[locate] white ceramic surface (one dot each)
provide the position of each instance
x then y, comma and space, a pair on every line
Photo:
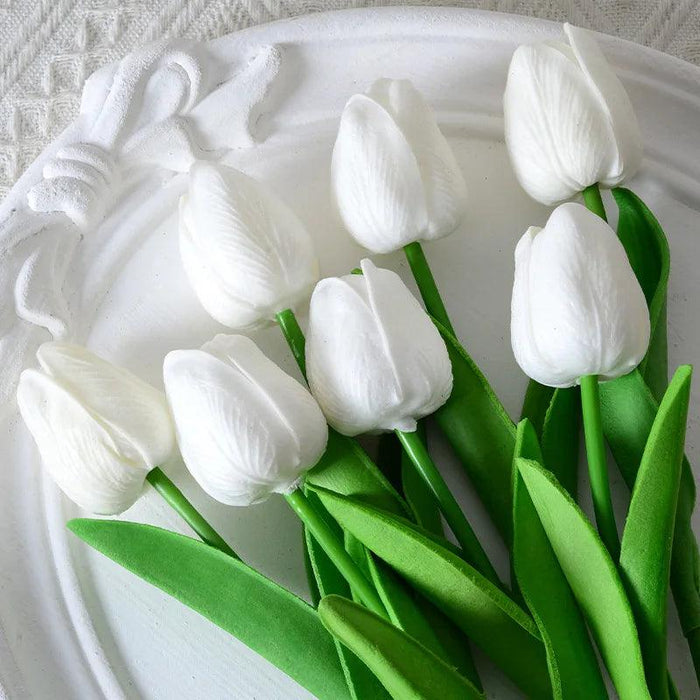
90, 252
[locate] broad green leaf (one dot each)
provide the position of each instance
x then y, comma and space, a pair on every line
573, 666
555, 415
645, 558
593, 578
628, 411
347, 469
487, 615
264, 616
648, 253
405, 667
361, 682
481, 433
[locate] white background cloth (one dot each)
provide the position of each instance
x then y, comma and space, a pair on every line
49, 47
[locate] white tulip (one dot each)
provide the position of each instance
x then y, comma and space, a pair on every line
246, 429
246, 254
395, 179
375, 361
568, 121
99, 428
577, 308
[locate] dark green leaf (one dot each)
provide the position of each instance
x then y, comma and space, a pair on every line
406, 668
648, 253
646, 544
628, 410
347, 469
491, 619
572, 662
481, 433
593, 578
264, 616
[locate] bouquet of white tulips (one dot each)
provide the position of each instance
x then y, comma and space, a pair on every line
397, 598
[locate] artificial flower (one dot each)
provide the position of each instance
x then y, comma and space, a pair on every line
577, 308
99, 428
246, 429
375, 361
246, 254
568, 121
394, 177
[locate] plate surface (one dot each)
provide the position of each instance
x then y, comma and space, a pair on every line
93, 254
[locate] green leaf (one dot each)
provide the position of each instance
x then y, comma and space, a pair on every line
347, 469
593, 578
555, 415
645, 558
573, 666
264, 616
481, 433
648, 253
489, 618
628, 410
361, 682
405, 667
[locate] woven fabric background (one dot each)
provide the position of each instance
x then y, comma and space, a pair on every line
49, 47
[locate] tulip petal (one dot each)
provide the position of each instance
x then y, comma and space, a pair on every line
261, 253
443, 182
614, 101
78, 452
374, 359
245, 428
133, 412
577, 306
559, 136
376, 179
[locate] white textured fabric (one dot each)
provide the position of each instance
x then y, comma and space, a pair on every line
49, 47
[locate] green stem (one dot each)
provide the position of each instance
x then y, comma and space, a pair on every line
598, 464
594, 202
176, 499
473, 551
335, 550
426, 284
291, 329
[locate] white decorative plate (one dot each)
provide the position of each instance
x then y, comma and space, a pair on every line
89, 250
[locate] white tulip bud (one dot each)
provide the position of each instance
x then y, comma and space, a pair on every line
245, 428
375, 361
568, 121
99, 428
577, 308
246, 254
395, 179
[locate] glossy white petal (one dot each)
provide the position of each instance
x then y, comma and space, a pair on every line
394, 178
77, 450
247, 255
568, 120
577, 308
374, 359
245, 428
135, 413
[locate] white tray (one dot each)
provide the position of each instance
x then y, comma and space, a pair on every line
268, 99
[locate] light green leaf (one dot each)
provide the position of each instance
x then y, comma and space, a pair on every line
481, 433
645, 558
347, 469
489, 618
628, 410
593, 578
648, 253
573, 666
406, 668
264, 616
